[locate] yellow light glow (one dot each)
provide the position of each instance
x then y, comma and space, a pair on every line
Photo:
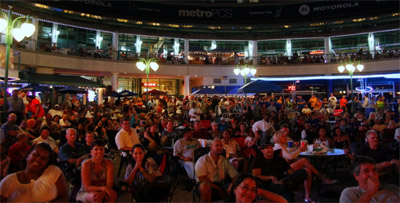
358, 20
249, 28
338, 22
41, 6
374, 18
395, 14
122, 20
154, 24
68, 11
287, 26
187, 26
317, 24
139, 22
173, 25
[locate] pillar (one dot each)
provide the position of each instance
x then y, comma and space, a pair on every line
328, 49
100, 96
54, 33
32, 42
114, 81
253, 51
186, 52
176, 46
138, 45
329, 88
371, 44
289, 53
99, 38
187, 85
115, 46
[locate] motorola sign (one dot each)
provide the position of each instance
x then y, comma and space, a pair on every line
304, 10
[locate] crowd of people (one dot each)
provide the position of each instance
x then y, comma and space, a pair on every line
238, 149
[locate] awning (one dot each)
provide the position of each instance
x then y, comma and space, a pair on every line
49, 79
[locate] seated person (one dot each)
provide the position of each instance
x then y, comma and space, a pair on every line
369, 187
275, 172
46, 180
71, 155
244, 189
200, 133
184, 149
89, 139
211, 170
18, 151
168, 134
97, 177
140, 174
382, 156
232, 149
44, 137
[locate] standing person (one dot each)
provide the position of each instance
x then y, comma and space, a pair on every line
263, 131
313, 101
365, 104
343, 103
40, 181
34, 108
332, 101
16, 105
10, 129
211, 170
369, 187
97, 177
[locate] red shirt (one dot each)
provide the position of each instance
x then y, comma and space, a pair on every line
16, 149
343, 102
32, 108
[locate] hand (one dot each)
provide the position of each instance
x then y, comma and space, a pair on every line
187, 159
373, 185
110, 193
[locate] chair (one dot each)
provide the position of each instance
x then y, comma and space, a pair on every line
123, 159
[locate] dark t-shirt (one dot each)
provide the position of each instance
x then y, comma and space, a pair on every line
379, 155
276, 166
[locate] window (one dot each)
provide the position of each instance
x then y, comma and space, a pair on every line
232, 80
217, 80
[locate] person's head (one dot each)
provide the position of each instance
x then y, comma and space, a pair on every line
242, 126
170, 125
89, 137
125, 124
39, 157
268, 151
285, 128
12, 118
372, 139
188, 135
70, 134
322, 132
97, 149
138, 152
243, 189
337, 131
56, 106
280, 137
49, 118
214, 126
226, 134
363, 169
15, 93
216, 147
197, 125
154, 128
44, 132
22, 137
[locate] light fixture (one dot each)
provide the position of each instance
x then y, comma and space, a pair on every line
18, 34
350, 69
141, 66
360, 67
341, 68
3, 24
245, 70
28, 29
145, 65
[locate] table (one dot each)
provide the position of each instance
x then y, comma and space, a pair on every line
332, 152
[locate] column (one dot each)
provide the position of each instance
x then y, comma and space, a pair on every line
289, 53
328, 49
114, 81
33, 41
329, 88
100, 96
115, 46
186, 52
186, 82
371, 44
176, 47
54, 33
99, 38
253, 51
138, 45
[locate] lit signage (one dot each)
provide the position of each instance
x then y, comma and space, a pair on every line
150, 84
292, 87
316, 52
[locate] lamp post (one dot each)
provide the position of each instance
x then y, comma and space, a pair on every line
145, 65
245, 71
350, 69
19, 32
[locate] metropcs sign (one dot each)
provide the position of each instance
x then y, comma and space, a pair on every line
150, 84
217, 13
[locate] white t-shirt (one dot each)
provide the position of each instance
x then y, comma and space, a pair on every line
43, 189
389, 193
124, 139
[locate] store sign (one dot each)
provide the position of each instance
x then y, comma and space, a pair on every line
292, 87
316, 52
150, 84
